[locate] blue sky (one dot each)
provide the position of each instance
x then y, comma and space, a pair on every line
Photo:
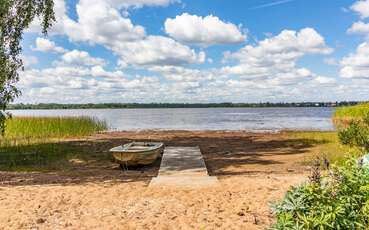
199, 51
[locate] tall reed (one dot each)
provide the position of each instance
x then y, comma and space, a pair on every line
52, 127
36, 143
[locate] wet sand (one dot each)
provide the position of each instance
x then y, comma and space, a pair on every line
253, 170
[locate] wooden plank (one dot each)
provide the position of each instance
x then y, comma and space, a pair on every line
183, 166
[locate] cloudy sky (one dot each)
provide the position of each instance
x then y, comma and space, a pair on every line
199, 51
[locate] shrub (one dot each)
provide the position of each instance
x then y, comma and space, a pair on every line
339, 200
357, 134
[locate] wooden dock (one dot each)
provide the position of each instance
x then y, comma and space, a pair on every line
183, 167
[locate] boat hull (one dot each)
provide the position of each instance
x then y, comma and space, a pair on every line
127, 157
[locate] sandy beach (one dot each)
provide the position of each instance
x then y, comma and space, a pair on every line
254, 169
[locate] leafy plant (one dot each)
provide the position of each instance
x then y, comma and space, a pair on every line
339, 200
356, 134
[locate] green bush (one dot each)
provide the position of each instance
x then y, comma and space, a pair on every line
356, 134
339, 200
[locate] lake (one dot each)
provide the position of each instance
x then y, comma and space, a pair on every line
250, 119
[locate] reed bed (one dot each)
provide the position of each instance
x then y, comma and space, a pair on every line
38, 143
52, 127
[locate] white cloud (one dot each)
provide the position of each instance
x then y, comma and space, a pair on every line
321, 80
62, 20
283, 48
83, 84
205, 31
140, 3
77, 57
65, 84
181, 74
99, 71
356, 65
29, 61
157, 50
359, 28
100, 23
362, 8
130, 42
276, 57
45, 45
64, 24
267, 70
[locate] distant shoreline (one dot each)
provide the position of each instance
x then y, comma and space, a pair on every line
178, 105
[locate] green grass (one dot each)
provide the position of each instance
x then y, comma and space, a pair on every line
52, 156
52, 127
323, 144
38, 143
343, 115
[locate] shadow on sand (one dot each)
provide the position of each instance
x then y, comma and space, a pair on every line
84, 161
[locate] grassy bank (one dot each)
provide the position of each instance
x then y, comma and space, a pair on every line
343, 115
323, 145
35, 143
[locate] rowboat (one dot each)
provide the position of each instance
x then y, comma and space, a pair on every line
137, 153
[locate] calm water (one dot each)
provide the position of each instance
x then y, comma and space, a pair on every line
253, 119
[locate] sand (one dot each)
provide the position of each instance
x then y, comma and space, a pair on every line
253, 170
241, 202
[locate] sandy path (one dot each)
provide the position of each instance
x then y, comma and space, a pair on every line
240, 202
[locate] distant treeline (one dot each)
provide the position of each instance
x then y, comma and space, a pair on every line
178, 105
